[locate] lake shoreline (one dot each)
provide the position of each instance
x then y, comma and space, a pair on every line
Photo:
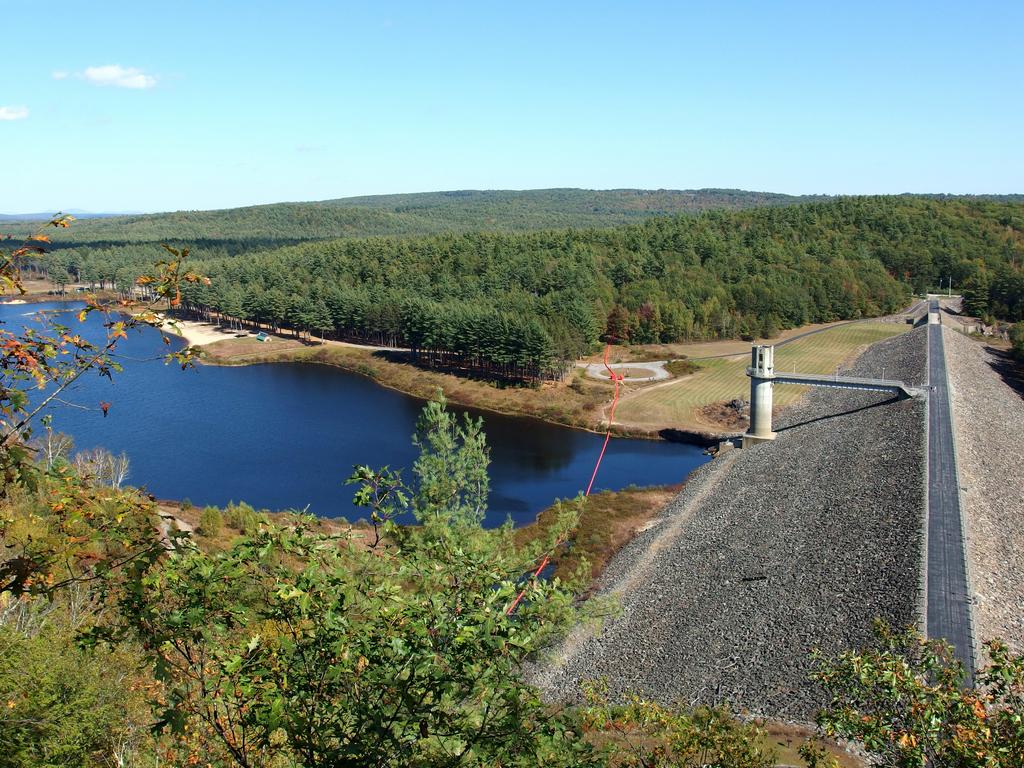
463, 391
197, 334
327, 421
609, 520
578, 402
397, 376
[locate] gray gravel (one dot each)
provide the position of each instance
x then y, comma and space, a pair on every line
988, 416
657, 370
770, 552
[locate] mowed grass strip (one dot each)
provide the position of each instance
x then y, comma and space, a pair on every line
678, 403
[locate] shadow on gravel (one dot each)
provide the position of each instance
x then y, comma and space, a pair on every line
1008, 369
840, 414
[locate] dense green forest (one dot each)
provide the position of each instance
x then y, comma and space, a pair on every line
521, 305
426, 213
420, 214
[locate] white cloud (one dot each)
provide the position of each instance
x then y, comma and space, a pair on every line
13, 113
60, 75
116, 75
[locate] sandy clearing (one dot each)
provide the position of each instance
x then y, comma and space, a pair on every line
195, 333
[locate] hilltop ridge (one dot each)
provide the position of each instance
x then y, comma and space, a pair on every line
423, 213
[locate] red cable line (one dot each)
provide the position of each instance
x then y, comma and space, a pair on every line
597, 465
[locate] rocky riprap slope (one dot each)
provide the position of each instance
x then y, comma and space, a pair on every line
768, 553
988, 416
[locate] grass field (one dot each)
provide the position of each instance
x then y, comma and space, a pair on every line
579, 402
678, 404
649, 352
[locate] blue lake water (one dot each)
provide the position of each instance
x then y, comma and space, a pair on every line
286, 435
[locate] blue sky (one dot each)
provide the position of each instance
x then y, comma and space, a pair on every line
152, 106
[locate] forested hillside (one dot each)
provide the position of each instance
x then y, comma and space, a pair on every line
423, 213
419, 214
522, 304
470, 210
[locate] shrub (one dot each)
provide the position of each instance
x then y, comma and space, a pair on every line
908, 701
644, 734
242, 517
1017, 339
681, 367
61, 705
210, 522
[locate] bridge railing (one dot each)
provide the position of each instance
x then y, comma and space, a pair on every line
848, 382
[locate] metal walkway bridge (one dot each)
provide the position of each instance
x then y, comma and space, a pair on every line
849, 382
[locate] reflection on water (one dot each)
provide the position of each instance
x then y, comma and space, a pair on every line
287, 435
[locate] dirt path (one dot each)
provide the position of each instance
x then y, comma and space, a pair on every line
657, 370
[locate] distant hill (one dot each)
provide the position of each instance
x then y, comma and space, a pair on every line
46, 216
425, 213
421, 214
659, 279
586, 205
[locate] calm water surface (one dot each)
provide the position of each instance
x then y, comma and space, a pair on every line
286, 435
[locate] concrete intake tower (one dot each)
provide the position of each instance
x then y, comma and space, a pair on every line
763, 379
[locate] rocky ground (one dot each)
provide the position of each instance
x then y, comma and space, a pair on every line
988, 416
770, 552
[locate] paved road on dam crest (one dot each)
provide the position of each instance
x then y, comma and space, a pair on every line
949, 613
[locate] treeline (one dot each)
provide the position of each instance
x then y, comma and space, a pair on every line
523, 304
405, 215
463, 336
417, 214
996, 293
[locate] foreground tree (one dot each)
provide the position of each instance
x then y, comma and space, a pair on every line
61, 705
101, 466
907, 701
389, 648
76, 528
